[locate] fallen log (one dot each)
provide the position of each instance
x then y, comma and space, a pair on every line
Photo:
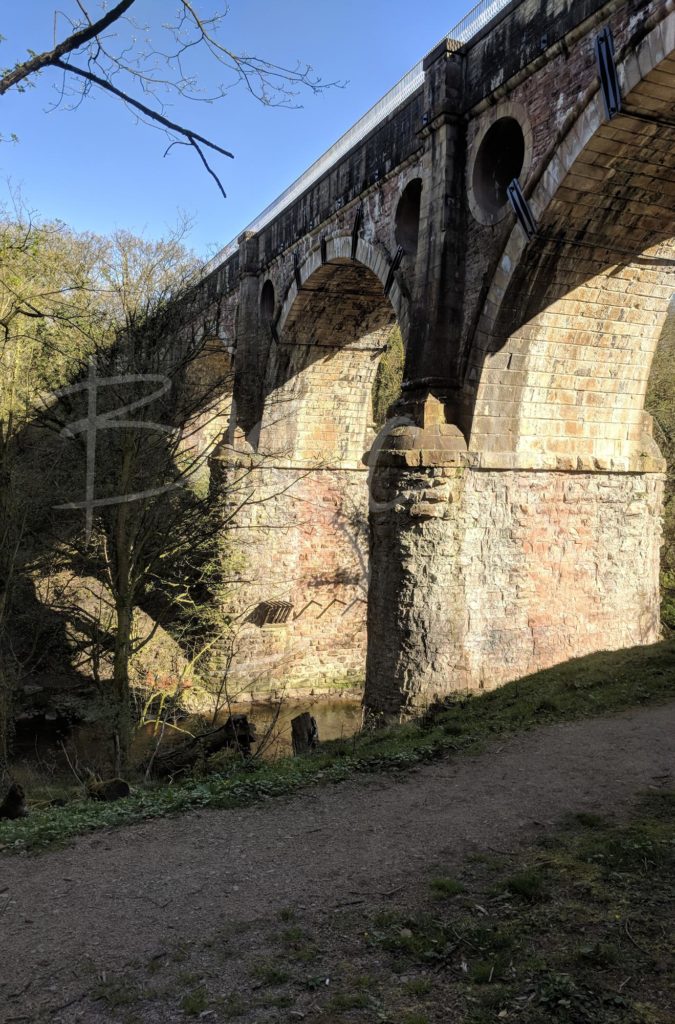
109, 790
237, 734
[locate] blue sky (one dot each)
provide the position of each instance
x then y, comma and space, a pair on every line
96, 169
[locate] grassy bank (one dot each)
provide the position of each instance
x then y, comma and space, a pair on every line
595, 685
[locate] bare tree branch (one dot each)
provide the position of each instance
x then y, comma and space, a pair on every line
144, 62
193, 138
73, 42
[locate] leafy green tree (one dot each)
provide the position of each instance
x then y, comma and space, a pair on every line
139, 526
128, 313
47, 324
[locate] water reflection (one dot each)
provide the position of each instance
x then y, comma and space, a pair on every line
335, 719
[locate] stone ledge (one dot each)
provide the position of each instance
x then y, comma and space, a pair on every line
420, 458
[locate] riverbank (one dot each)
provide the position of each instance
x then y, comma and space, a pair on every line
598, 684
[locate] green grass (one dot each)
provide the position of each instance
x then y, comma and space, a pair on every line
597, 950
194, 1003
417, 987
598, 684
444, 887
117, 993
529, 885
271, 974
342, 1001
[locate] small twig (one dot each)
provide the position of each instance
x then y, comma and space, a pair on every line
637, 945
20, 992
390, 892
379, 892
154, 753
63, 1006
70, 765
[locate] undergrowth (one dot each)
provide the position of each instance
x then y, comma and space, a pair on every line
572, 928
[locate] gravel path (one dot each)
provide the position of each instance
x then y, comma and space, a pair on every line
117, 897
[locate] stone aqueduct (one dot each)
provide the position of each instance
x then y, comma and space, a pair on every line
515, 496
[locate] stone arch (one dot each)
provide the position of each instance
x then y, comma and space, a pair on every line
330, 336
267, 300
562, 352
304, 538
407, 217
339, 249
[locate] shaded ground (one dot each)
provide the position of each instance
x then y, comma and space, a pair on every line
245, 913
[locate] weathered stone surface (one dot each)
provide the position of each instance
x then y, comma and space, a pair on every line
526, 367
527, 569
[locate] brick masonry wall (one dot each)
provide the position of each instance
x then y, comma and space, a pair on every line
304, 541
540, 541
479, 577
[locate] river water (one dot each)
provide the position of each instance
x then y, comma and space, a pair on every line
89, 746
336, 720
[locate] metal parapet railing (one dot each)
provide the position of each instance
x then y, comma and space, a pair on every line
473, 23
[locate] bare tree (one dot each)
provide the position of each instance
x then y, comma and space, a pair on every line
144, 65
134, 522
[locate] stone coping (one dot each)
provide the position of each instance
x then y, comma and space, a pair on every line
524, 461
421, 458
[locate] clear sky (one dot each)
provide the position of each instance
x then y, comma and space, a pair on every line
96, 169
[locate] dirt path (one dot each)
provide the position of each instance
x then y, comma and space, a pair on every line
117, 898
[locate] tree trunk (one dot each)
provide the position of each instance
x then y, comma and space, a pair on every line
124, 612
122, 711
5, 720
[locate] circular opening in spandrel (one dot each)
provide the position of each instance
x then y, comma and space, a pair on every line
499, 160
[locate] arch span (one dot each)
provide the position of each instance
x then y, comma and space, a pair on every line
304, 540
338, 251
331, 336
562, 353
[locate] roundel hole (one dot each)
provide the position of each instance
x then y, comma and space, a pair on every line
267, 301
499, 160
408, 217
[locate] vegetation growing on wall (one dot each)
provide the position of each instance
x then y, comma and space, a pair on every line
387, 386
660, 402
